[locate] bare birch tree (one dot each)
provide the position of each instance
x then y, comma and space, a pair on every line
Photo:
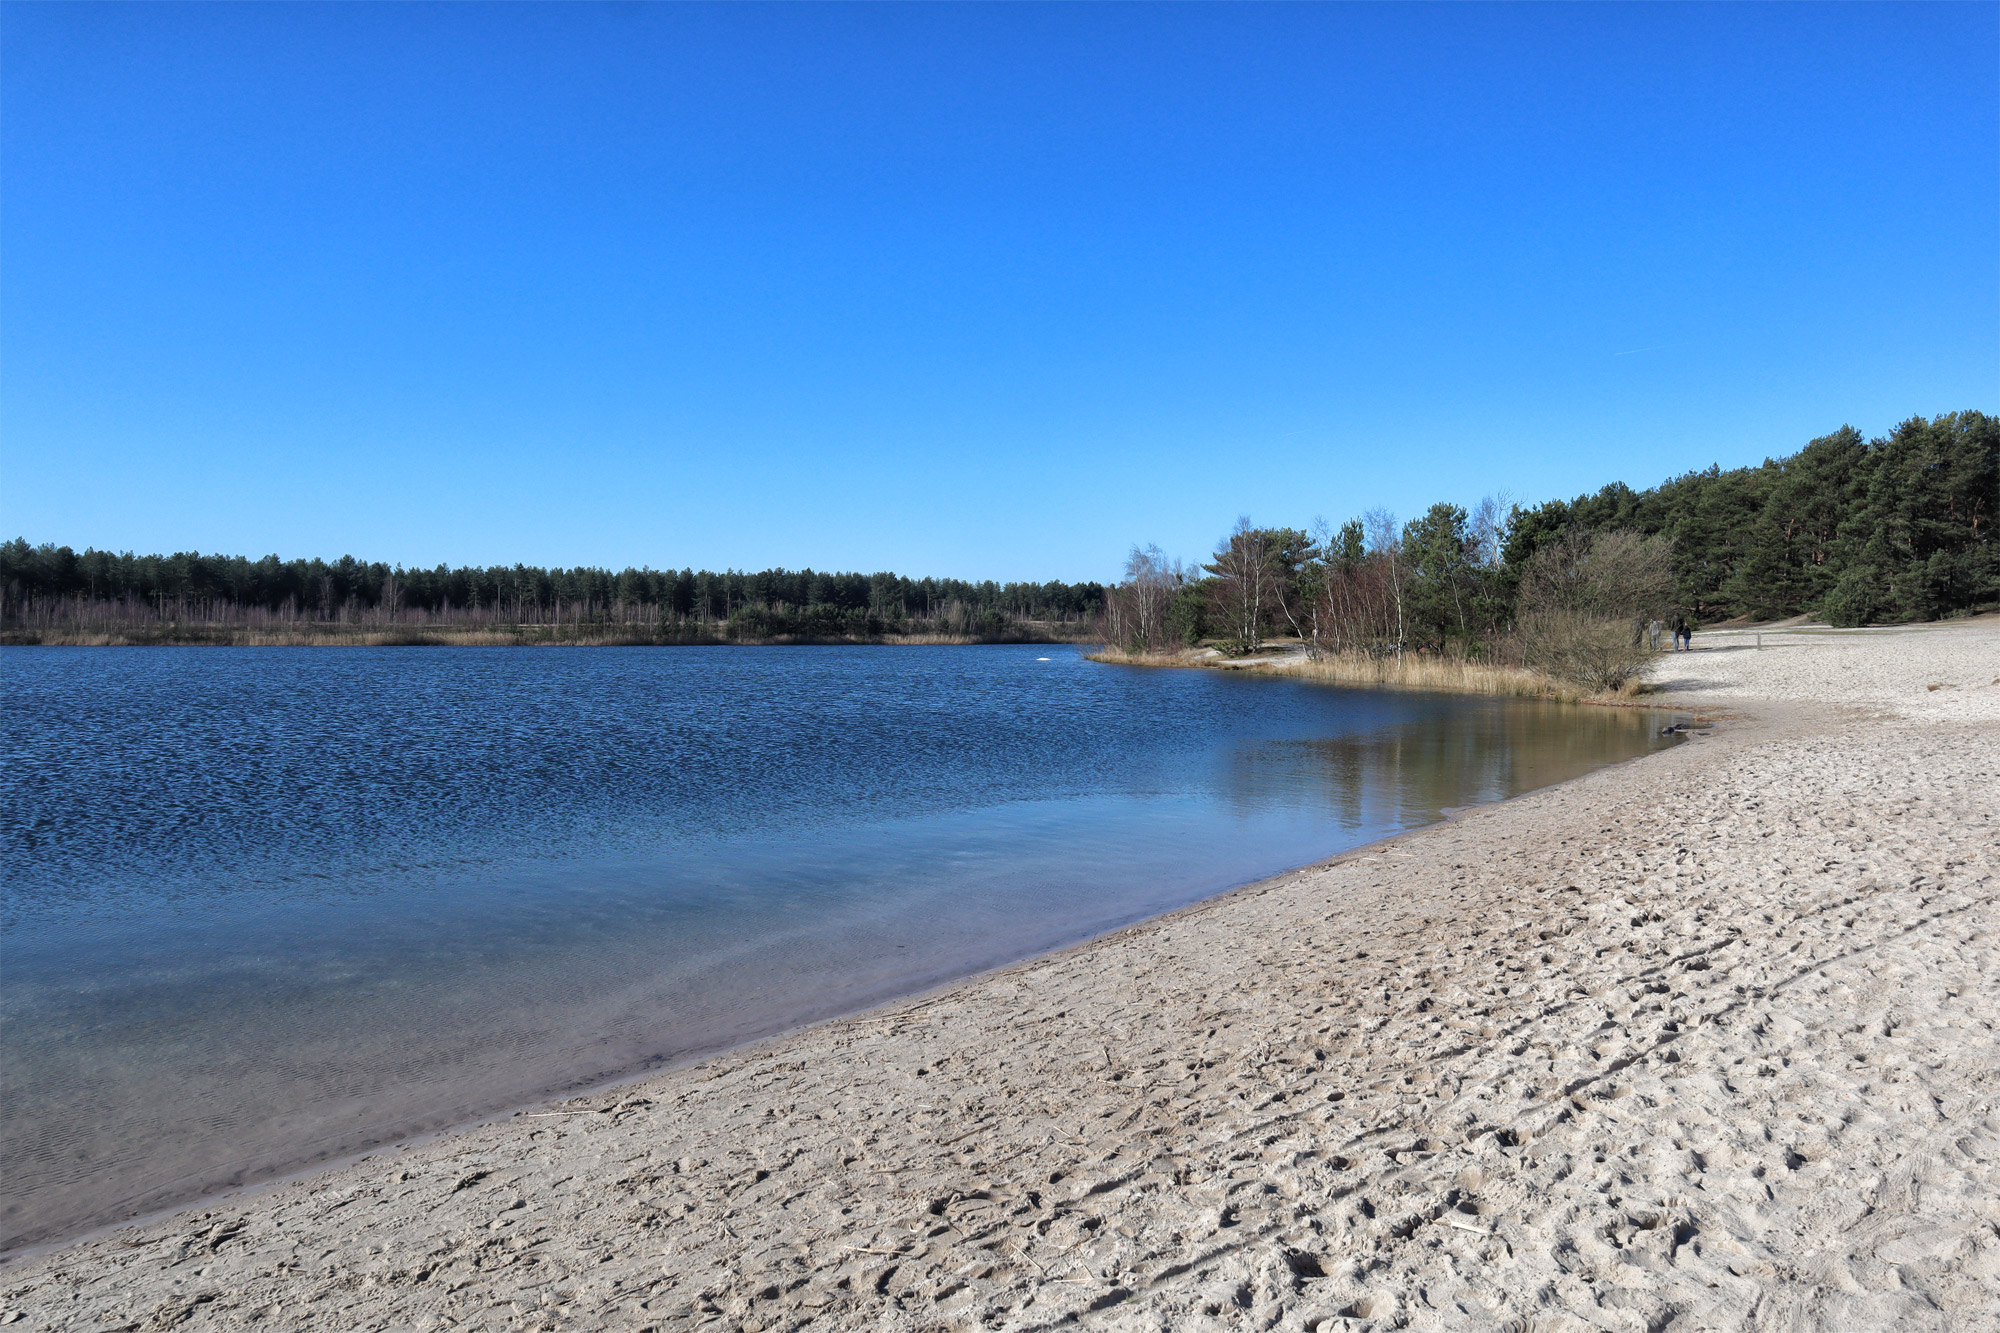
1304, 596
1385, 545
1487, 530
1243, 590
1135, 612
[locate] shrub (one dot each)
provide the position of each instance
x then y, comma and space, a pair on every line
1583, 599
1596, 652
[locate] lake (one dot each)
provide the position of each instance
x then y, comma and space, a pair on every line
268, 907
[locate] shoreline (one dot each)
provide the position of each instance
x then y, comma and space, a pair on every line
246, 1175
1418, 671
518, 637
1039, 1176
887, 1008
1424, 672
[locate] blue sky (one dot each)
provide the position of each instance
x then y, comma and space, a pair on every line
984, 291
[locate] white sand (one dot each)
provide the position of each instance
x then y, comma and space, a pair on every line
1705, 1041
1940, 673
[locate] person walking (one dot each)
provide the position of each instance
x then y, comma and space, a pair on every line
1653, 634
1680, 628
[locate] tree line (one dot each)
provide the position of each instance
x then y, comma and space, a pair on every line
1849, 529
49, 583
1852, 530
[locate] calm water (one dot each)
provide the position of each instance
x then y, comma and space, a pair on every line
265, 907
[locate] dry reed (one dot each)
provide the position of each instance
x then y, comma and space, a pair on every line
1184, 657
1412, 671
1415, 671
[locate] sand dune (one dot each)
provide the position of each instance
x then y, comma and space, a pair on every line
1706, 1041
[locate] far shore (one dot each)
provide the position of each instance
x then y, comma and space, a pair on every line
1705, 1038
1462, 675
332, 635
1415, 671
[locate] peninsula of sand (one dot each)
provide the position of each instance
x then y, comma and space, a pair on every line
1704, 1041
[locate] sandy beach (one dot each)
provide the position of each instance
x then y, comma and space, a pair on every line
1704, 1041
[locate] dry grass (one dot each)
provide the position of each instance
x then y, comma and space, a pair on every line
1185, 657
1413, 671
210, 636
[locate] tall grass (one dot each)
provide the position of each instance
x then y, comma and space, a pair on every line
1412, 671
1424, 671
1180, 657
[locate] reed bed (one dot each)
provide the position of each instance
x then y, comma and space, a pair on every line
1412, 671
1186, 657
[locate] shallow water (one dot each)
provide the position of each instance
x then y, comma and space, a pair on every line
266, 907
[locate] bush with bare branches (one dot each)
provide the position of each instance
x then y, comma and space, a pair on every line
1582, 601
1136, 611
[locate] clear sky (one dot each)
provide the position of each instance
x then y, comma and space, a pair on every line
954, 289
